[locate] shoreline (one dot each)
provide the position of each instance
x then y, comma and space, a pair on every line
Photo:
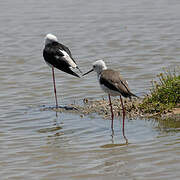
102, 108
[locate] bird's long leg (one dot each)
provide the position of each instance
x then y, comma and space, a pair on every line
54, 86
112, 114
124, 113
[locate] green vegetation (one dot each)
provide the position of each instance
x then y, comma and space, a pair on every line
165, 94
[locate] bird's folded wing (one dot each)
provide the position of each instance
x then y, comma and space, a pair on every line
65, 48
56, 58
114, 81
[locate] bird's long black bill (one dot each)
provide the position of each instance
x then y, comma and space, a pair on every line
87, 72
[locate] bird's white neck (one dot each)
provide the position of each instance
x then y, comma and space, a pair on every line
100, 71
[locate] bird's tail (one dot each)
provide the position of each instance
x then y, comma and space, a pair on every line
69, 71
74, 74
131, 94
79, 69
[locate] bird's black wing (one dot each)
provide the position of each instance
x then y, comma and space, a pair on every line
114, 81
65, 48
54, 56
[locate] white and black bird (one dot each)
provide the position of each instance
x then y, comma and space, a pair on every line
113, 84
58, 56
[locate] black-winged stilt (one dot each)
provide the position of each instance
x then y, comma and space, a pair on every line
113, 84
58, 56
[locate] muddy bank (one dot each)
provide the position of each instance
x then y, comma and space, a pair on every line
133, 109
101, 107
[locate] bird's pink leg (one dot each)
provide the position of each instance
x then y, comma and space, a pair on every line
124, 113
112, 114
54, 86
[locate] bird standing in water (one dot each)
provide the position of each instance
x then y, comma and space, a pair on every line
58, 56
113, 84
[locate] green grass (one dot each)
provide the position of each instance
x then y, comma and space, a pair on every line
165, 94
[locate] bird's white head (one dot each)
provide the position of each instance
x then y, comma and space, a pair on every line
99, 66
50, 38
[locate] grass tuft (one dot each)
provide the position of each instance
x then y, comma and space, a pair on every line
165, 94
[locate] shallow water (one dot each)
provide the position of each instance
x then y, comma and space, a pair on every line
138, 38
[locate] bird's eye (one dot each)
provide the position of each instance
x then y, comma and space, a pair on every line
93, 66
